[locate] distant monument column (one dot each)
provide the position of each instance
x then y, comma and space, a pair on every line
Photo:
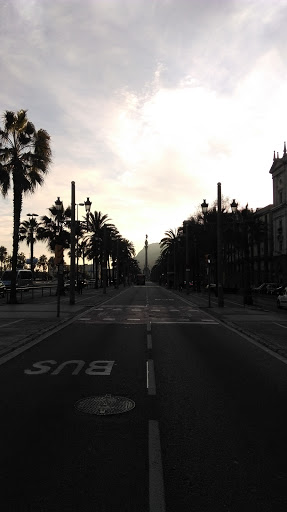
146, 269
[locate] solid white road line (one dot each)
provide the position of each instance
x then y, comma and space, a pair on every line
14, 322
156, 484
280, 325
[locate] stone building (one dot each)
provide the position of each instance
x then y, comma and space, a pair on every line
279, 217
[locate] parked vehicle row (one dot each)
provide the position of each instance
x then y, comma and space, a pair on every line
269, 288
2, 289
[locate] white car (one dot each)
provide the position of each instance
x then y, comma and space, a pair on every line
282, 298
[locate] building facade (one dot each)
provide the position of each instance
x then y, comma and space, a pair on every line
279, 217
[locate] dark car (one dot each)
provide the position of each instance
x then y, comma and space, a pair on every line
261, 288
2, 289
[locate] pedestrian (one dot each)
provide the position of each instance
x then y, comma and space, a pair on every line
80, 286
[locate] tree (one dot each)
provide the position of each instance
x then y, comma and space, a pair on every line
29, 228
25, 156
21, 260
168, 246
55, 229
43, 262
95, 239
3, 255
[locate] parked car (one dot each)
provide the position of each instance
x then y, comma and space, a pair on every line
282, 299
2, 289
67, 284
271, 288
262, 288
280, 289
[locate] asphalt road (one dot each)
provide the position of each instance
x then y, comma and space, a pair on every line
206, 428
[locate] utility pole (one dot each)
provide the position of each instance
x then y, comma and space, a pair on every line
72, 261
219, 249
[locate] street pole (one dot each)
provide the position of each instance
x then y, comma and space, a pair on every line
104, 268
219, 249
72, 260
187, 268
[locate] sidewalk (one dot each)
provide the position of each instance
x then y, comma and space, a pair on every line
266, 327
25, 322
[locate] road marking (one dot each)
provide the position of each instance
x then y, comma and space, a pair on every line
100, 367
109, 319
156, 483
151, 386
284, 326
133, 319
149, 342
14, 322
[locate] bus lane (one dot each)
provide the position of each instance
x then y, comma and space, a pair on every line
74, 421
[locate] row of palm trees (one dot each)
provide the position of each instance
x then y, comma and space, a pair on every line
98, 240
190, 251
25, 159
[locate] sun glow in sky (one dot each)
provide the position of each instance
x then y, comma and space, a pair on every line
149, 104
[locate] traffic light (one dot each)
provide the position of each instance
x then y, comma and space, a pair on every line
59, 254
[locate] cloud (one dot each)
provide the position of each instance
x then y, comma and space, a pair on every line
148, 104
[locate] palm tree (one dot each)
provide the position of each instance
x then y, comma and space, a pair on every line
95, 238
29, 228
43, 262
55, 229
3, 255
168, 246
25, 156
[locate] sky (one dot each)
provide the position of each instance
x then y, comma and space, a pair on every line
149, 104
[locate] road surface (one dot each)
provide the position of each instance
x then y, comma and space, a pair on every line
144, 403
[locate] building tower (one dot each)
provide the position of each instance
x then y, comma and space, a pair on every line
146, 269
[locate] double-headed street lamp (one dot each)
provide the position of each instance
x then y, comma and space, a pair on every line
247, 295
59, 253
32, 216
87, 204
204, 207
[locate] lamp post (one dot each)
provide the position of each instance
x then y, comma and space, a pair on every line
59, 253
116, 239
88, 205
77, 234
204, 207
247, 296
32, 215
186, 224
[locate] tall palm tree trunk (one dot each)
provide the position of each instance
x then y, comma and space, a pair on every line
17, 207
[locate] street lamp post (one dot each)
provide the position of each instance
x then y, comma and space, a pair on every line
204, 207
247, 296
187, 263
59, 253
219, 249
77, 234
32, 215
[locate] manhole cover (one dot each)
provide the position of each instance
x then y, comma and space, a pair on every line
104, 405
